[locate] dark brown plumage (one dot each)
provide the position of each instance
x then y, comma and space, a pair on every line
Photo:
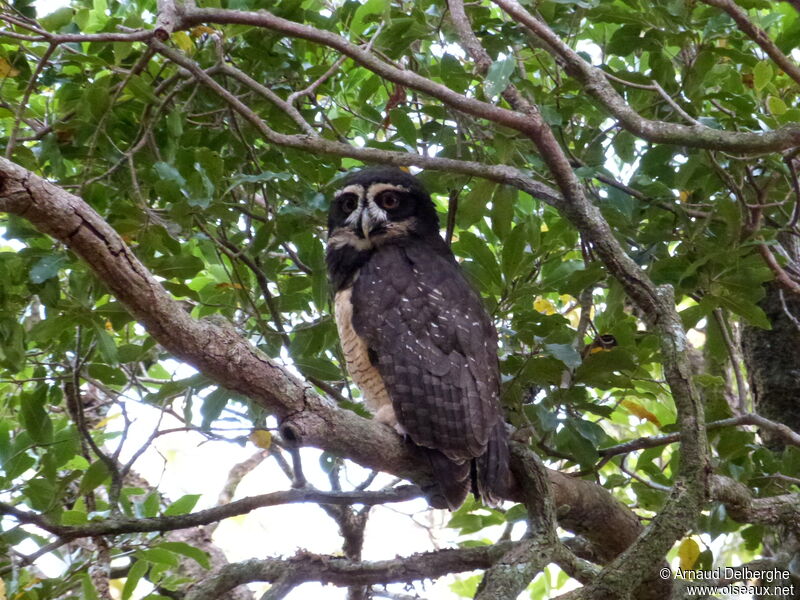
416, 337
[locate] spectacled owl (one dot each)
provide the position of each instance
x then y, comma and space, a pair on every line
416, 338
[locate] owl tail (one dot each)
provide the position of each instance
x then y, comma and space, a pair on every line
491, 477
453, 480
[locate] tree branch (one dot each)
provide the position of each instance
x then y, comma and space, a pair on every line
305, 566
499, 173
759, 36
595, 83
743, 507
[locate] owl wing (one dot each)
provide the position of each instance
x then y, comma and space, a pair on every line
434, 345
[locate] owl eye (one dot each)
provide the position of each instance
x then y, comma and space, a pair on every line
388, 201
348, 202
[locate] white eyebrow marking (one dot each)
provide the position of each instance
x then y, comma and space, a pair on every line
377, 188
353, 188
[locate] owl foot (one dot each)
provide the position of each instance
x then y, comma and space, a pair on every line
387, 416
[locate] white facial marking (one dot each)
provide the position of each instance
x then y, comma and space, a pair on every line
376, 213
356, 189
354, 217
377, 188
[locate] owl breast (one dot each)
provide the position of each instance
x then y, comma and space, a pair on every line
356, 353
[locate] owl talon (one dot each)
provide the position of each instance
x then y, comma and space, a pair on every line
387, 416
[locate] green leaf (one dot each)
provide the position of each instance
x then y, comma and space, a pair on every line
762, 75
108, 375
178, 267
34, 417
499, 75
57, 19
135, 574
319, 368
212, 406
169, 173
46, 268
76, 463
776, 106
405, 126
142, 90
565, 353
74, 517
196, 554
96, 474
513, 250
107, 347
368, 11
747, 309
466, 587
473, 206
502, 212
453, 74
182, 505
159, 556
471, 246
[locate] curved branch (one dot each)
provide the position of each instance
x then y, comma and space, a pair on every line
595, 83
743, 507
593, 79
212, 515
786, 434
759, 36
500, 173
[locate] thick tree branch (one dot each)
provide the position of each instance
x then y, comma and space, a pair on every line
343, 572
743, 507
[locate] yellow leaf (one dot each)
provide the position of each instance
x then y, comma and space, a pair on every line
103, 422
6, 70
201, 29
261, 438
688, 552
543, 305
641, 412
543, 227
183, 41
109, 326
684, 196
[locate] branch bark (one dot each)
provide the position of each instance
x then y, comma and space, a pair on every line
596, 84
759, 36
343, 572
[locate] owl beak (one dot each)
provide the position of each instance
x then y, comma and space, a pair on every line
366, 224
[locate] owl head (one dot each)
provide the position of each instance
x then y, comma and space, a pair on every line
381, 204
